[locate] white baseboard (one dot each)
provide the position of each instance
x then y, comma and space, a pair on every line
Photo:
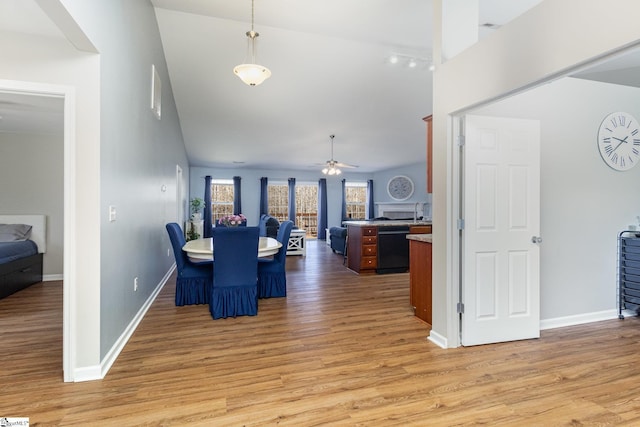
437, 339
579, 319
52, 277
99, 372
87, 373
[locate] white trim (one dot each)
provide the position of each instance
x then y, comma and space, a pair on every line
221, 181
180, 203
119, 344
68, 93
52, 277
87, 373
437, 339
578, 319
358, 184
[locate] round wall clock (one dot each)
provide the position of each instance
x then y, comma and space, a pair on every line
400, 187
619, 141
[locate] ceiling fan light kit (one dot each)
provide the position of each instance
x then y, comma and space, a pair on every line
251, 73
332, 166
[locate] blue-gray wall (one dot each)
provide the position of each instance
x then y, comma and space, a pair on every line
251, 185
138, 158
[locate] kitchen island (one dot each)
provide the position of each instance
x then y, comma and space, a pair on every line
381, 246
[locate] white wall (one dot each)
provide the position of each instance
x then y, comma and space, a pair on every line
514, 58
584, 203
31, 168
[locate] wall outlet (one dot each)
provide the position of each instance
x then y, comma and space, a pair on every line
169, 252
135, 284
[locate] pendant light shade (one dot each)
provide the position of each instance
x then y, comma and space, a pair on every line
250, 72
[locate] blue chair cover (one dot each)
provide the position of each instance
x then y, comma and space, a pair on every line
235, 272
272, 277
194, 278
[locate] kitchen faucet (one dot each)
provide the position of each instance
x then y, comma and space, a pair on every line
415, 212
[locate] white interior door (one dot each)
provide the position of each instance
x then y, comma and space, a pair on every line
500, 240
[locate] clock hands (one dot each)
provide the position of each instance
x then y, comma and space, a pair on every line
621, 142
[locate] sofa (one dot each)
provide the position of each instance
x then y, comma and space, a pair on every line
338, 239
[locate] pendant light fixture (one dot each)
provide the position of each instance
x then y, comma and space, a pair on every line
250, 72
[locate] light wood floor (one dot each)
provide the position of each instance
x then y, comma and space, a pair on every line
341, 350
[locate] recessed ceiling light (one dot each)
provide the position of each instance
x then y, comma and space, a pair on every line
393, 59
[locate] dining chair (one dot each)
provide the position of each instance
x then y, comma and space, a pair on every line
235, 272
272, 277
194, 279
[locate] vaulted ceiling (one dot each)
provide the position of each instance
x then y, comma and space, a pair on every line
331, 75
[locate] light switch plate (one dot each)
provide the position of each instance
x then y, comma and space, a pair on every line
112, 213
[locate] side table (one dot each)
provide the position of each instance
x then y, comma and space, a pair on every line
296, 244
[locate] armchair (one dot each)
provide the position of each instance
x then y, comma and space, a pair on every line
338, 236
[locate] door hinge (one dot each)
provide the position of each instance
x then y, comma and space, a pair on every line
460, 224
460, 308
461, 140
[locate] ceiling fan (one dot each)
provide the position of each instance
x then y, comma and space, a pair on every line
332, 167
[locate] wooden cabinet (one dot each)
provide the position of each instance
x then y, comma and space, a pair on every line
362, 248
420, 259
429, 122
420, 229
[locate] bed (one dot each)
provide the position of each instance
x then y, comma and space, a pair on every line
22, 245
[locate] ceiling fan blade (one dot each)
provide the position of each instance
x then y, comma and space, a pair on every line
345, 165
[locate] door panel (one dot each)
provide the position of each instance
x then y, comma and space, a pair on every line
500, 277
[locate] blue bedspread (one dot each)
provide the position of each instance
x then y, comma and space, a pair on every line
11, 251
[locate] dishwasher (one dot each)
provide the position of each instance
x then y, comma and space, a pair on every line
393, 249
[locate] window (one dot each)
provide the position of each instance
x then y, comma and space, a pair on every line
278, 194
307, 208
356, 198
221, 198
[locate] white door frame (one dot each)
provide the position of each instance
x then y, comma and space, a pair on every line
180, 205
69, 205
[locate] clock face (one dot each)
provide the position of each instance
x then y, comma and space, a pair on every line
619, 141
400, 188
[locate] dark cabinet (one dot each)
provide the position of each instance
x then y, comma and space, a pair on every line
628, 272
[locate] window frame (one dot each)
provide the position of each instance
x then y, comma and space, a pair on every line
363, 204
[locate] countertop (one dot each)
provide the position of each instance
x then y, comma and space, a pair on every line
385, 223
426, 238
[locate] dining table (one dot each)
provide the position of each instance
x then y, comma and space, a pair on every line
202, 249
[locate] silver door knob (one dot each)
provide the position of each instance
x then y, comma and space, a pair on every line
536, 239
